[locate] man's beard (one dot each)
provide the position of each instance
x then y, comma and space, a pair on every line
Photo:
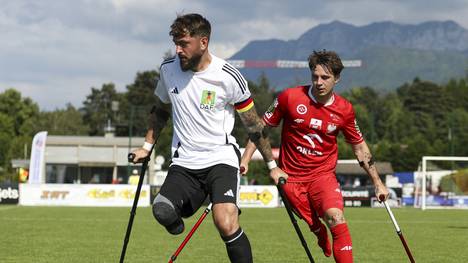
190, 64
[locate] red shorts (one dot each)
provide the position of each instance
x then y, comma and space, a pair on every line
312, 199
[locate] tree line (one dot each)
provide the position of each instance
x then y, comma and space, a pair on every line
419, 118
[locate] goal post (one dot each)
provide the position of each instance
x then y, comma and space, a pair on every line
424, 174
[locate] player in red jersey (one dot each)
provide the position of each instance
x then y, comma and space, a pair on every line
312, 118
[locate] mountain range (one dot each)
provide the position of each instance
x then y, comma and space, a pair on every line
391, 54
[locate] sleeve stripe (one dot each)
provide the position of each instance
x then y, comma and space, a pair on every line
167, 61
236, 75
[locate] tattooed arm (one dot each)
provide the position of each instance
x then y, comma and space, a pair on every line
157, 119
255, 129
259, 139
366, 161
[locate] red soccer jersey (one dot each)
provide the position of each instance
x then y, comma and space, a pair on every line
308, 140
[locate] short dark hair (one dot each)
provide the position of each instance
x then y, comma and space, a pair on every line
328, 59
192, 24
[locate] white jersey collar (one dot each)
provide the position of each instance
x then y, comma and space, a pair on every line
212, 62
328, 103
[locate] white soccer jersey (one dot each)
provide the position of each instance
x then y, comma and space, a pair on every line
202, 111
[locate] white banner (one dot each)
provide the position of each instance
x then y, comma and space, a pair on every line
258, 196
82, 195
36, 164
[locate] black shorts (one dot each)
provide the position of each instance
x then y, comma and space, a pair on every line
188, 188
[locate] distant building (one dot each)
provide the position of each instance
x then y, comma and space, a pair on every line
86, 160
349, 173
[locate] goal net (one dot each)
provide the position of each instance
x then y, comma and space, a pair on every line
442, 182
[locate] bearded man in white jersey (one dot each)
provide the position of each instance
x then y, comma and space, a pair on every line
202, 93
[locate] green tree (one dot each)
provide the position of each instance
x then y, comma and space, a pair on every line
68, 121
457, 139
366, 102
97, 108
140, 99
345, 151
23, 110
7, 132
17, 120
394, 122
429, 104
457, 92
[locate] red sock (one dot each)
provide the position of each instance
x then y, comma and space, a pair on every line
323, 242
342, 245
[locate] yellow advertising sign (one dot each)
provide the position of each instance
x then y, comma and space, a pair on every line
265, 196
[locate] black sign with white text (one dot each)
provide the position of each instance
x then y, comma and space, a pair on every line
362, 196
9, 194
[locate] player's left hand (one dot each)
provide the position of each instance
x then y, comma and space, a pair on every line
276, 173
381, 192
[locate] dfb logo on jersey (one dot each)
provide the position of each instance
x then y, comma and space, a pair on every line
208, 100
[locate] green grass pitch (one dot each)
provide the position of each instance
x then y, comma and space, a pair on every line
79, 234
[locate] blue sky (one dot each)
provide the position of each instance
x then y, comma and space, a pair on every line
54, 51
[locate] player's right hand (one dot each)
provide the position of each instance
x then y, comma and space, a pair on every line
276, 173
140, 155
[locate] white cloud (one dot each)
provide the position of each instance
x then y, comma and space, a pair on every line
54, 51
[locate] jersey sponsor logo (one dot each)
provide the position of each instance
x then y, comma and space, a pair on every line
175, 90
310, 138
331, 127
301, 109
208, 100
316, 124
299, 120
308, 151
229, 193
